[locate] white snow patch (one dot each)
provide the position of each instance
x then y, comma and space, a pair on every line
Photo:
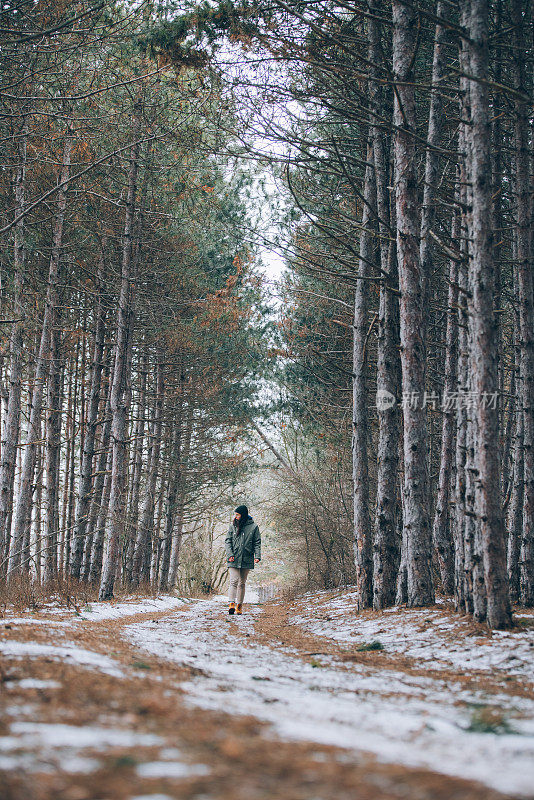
20, 710
33, 621
70, 654
76, 763
29, 762
95, 612
75, 736
170, 754
33, 683
47, 747
405, 719
170, 769
152, 797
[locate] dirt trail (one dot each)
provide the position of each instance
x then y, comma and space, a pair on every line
175, 749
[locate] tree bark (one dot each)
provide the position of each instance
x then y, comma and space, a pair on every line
37, 538
401, 596
484, 352
70, 477
11, 428
86, 476
52, 455
525, 295
120, 384
441, 529
137, 468
179, 521
385, 544
432, 160
142, 558
172, 495
441, 534
515, 509
412, 313
360, 470
99, 506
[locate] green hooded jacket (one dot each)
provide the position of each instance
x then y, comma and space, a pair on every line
244, 546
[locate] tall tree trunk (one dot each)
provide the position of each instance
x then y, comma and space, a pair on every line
473, 534
70, 478
432, 160
461, 446
525, 295
120, 384
401, 596
11, 429
100, 503
170, 510
157, 541
441, 529
69, 428
38, 540
137, 468
508, 434
360, 471
412, 312
474, 589
85, 485
515, 509
385, 545
175, 468
463, 512
484, 352
28, 464
52, 455
179, 522
142, 560
497, 226
441, 534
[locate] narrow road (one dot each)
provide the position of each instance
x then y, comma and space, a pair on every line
172, 699
399, 717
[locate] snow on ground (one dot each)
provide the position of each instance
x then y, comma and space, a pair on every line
45, 747
152, 797
413, 720
32, 683
56, 623
171, 769
428, 635
96, 612
71, 654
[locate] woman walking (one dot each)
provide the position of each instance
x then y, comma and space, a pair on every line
243, 550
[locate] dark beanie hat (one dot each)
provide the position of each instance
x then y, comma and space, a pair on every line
243, 510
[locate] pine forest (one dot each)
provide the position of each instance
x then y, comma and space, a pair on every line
267, 273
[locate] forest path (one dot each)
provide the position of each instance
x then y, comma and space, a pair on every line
137, 707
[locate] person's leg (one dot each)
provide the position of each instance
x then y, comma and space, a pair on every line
243, 575
233, 583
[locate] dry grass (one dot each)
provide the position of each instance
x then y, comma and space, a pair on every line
25, 594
